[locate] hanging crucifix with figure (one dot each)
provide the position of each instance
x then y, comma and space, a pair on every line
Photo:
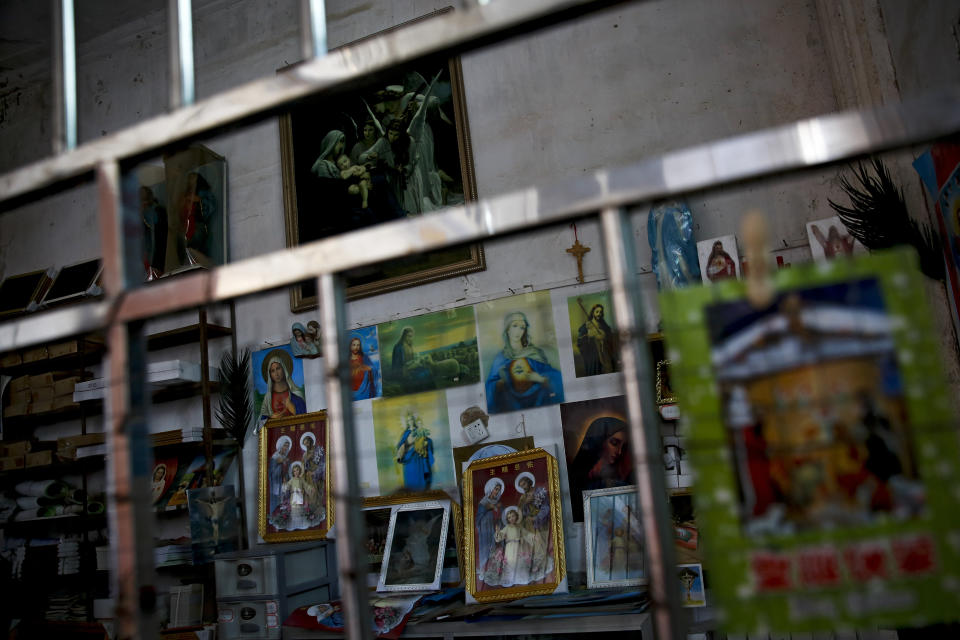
578, 251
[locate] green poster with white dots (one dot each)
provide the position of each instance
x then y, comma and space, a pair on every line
825, 447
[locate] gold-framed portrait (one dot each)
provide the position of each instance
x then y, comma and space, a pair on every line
513, 529
295, 496
376, 153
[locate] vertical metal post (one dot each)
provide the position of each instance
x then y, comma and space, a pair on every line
644, 424
182, 91
64, 77
129, 457
205, 393
313, 29
347, 521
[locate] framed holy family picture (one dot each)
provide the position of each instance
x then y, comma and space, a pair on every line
513, 530
392, 150
295, 499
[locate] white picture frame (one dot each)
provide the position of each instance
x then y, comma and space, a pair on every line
613, 538
414, 552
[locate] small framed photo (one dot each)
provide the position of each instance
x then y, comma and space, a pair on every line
377, 513
416, 540
614, 538
719, 259
513, 530
664, 388
691, 583
295, 488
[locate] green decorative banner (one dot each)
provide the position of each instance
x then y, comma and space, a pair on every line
825, 447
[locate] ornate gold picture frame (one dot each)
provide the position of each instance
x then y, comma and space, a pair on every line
513, 529
295, 497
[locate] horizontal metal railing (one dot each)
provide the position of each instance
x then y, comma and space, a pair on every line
803, 144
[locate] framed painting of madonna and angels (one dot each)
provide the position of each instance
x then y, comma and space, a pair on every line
513, 530
295, 500
386, 151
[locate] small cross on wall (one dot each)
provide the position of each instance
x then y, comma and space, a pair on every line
578, 251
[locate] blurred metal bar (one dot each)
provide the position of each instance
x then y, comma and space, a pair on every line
182, 85
803, 144
64, 76
644, 424
349, 525
313, 28
128, 459
454, 32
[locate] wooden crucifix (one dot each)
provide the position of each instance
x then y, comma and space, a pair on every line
578, 251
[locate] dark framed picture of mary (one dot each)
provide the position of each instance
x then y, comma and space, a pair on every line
385, 151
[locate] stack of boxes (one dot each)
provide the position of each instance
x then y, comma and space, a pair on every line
13, 454
41, 393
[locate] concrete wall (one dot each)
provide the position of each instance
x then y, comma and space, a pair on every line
613, 88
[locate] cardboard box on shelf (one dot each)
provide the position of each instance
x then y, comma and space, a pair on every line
36, 354
41, 380
42, 394
11, 462
41, 406
20, 397
10, 359
62, 402
20, 384
70, 347
15, 448
65, 387
38, 459
16, 409
67, 446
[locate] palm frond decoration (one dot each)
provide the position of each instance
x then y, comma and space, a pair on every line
878, 217
235, 411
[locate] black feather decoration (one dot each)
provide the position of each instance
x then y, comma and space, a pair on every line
878, 217
235, 412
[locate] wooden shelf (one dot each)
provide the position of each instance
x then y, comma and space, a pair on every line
185, 335
91, 353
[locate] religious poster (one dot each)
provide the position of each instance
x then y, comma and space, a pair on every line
513, 531
429, 352
278, 390
305, 339
294, 500
595, 348
719, 259
364, 359
214, 525
829, 239
412, 436
595, 438
518, 353
830, 503
614, 537
164, 472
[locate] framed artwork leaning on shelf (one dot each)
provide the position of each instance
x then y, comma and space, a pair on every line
614, 537
513, 530
294, 501
377, 516
416, 540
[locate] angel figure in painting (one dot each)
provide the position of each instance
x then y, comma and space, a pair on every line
314, 464
534, 506
278, 469
424, 189
488, 515
283, 397
413, 561
520, 376
510, 562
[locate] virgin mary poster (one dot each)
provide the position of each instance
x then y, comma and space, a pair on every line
278, 383
412, 435
518, 352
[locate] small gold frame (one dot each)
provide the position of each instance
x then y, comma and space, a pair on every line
292, 426
664, 392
